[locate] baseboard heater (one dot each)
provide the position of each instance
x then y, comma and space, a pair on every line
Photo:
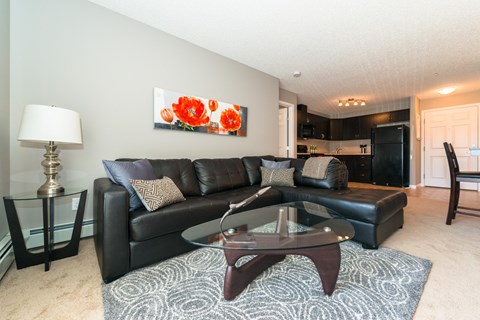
62, 233
6, 254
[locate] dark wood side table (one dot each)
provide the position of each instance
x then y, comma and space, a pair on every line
23, 257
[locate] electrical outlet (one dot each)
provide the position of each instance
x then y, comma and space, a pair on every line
75, 202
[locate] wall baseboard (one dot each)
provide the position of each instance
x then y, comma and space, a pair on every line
62, 233
34, 239
6, 255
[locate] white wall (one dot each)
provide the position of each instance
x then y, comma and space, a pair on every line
77, 55
4, 110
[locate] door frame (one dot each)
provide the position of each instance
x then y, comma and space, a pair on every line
422, 147
292, 128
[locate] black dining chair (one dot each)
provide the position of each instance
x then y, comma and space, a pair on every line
457, 176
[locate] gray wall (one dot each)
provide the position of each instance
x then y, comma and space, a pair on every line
80, 56
287, 96
4, 110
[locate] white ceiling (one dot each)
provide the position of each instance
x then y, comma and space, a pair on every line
378, 50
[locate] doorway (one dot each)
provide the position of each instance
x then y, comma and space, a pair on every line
283, 143
459, 126
287, 130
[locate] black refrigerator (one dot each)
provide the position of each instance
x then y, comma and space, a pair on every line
391, 156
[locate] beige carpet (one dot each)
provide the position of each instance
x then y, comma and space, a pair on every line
71, 289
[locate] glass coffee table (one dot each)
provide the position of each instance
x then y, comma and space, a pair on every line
270, 233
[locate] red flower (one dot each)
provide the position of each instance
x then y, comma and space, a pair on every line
237, 107
167, 115
191, 111
213, 105
230, 120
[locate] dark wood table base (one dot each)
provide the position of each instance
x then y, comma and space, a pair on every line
326, 260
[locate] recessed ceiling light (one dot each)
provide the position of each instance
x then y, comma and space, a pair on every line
447, 90
297, 74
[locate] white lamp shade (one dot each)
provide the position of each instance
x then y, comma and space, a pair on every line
49, 123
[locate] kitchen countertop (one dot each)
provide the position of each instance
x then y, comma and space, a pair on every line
334, 154
346, 154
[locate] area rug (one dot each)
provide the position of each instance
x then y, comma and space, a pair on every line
372, 284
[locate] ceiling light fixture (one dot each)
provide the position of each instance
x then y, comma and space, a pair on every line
349, 101
297, 74
447, 90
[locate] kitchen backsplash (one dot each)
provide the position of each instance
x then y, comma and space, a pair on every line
349, 146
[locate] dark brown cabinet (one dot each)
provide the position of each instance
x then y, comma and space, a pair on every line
362, 169
322, 126
381, 118
336, 129
359, 167
365, 124
392, 116
400, 115
301, 114
351, 129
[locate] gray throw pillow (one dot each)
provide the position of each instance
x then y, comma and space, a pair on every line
277, 177
276, 164
157, 193
121, 172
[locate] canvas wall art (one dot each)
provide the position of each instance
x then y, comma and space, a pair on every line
175, 111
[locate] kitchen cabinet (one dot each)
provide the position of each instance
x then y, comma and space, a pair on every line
351, 130
301, 119
362, 171
400, 115
336, 129
360, 127
359, 167
392, 116
322, 126
301, 114
381, 118
365, 124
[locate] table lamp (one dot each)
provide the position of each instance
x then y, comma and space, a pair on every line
51, 125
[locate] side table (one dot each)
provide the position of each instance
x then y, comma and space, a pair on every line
23, 257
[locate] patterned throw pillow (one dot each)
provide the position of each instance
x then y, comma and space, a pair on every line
157, 193
277, 177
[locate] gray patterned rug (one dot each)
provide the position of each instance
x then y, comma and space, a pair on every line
372, 284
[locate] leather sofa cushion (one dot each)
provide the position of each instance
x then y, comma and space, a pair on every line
368, 205
252, 165
177, 217
337, 175
181, 171
269, 198
216, 175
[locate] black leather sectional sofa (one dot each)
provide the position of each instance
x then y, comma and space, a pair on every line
125, 240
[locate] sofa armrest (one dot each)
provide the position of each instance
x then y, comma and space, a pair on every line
110, 214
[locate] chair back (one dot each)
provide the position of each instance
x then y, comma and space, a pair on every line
452, 161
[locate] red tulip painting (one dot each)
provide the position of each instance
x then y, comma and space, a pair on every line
176, 111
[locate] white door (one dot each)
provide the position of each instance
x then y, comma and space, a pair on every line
283, 132
459, 126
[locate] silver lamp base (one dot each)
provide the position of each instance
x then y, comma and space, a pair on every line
50, 164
